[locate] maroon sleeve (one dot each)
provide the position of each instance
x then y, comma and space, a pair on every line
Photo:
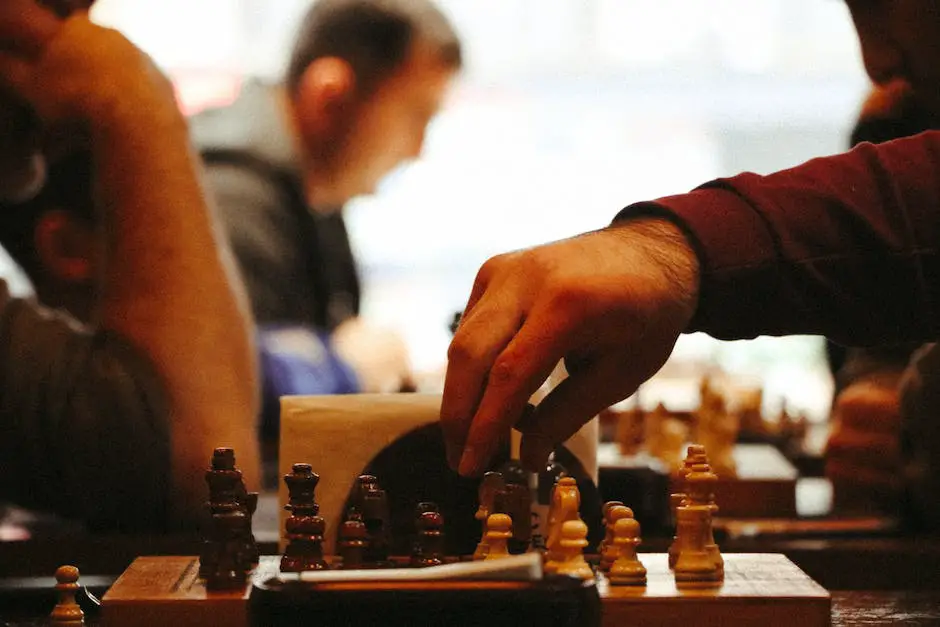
842, 246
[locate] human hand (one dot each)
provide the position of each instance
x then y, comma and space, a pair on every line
378, 355
60, 76
863, 459
611, 303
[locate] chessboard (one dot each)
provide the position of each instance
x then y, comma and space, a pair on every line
522, 572
758, 589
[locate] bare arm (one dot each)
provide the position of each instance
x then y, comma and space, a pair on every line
168, 283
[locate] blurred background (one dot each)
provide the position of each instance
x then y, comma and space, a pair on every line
567, 111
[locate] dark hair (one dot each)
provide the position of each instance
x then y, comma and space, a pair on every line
373, 36
68, 187
905, 119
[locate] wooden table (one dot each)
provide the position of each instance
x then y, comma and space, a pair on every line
849, 609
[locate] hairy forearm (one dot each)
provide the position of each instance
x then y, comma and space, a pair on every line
169, 286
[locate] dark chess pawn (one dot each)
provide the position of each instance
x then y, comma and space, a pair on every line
376, 518
353, 540
225, 568
429, 543
304, 527
515, 499
229, 513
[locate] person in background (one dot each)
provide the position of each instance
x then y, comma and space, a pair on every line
844, 246
864, 456
363, 81
110, 415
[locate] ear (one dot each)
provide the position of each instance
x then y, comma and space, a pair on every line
65, 247
326, 87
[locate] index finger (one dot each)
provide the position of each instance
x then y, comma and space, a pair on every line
526, 362
478, 340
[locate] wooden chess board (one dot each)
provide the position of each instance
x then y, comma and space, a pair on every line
759, 589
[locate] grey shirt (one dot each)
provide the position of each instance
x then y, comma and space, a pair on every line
83, 422
297, 263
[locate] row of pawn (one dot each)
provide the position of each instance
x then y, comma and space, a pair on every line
566, 537
363, 537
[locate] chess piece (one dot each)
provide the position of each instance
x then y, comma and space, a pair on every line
664, 435
566, 502
67, 612
353, 539
541, 503
376, 518
491, 483
304, 527
364, 483
695, 565
573, 539
252, 553
515, 499
627, 570
700, 485
429, 544
228, 548
718, 431
695, 453
608, 533
610, 551
498, 532
630, 428
676, 500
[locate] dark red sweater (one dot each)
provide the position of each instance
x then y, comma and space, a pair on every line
843, 246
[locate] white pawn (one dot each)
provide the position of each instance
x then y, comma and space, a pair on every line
498, 532
627, 570
570, 548
609, 550
67, 612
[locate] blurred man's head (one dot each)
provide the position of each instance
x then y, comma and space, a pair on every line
900, 39
889, 112
52, 236
365, 78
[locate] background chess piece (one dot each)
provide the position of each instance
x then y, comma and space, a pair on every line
304, 527
610, 551
630, 430
664, 435
571, 551
627, 570
67, 612
498, 532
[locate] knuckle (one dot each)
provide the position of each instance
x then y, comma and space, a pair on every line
505, 372
490, 268
463, 350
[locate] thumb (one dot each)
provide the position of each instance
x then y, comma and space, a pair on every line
576, 400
